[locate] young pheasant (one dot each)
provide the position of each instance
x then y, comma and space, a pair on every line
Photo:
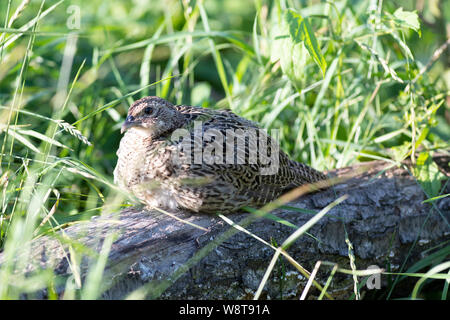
203, 160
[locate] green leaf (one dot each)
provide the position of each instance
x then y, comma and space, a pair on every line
399, 153
428, 174
292, 57
436, 198
301, 32
200, 93
42, 137
23, 140
383, 62
407, 19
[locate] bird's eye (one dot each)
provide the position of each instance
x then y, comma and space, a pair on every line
148, 110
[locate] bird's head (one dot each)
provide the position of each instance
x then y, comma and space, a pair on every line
153, 115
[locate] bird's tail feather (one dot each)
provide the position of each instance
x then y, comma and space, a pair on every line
305, 174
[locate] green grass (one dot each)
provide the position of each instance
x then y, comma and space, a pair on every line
343, 81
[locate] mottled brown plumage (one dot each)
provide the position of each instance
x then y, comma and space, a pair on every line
155, 167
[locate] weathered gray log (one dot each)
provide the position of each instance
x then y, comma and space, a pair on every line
383, 216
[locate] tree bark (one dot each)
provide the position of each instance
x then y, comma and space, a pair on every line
384, 218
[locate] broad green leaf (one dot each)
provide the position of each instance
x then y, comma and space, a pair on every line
292, 57
299, 60
428, 174
399, 153
301, 32
407, 19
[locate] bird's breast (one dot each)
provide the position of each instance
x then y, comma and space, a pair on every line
131, 158
141, 160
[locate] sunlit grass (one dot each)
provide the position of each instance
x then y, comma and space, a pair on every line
64, 93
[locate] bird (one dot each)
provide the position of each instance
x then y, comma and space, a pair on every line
202, 160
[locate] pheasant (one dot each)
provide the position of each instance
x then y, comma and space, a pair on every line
204, 160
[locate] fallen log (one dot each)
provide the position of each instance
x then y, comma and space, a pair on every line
383, 219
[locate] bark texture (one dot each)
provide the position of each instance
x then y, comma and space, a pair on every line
384, 217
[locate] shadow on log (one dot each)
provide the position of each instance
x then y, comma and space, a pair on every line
384, 218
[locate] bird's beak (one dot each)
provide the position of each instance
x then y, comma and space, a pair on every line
128, 124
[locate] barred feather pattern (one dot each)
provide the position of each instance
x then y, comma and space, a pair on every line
156, 168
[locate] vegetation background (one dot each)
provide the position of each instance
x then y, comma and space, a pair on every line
343, 81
